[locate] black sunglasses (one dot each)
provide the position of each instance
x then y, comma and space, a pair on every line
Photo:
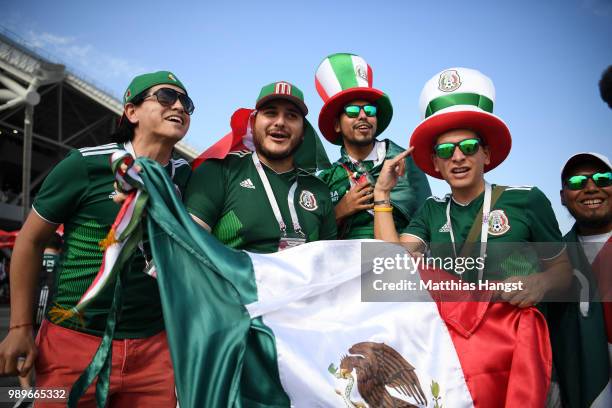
168, 96
579, 182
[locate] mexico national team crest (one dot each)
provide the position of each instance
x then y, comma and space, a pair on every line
308, 201
498, 223
171, 77
449, 81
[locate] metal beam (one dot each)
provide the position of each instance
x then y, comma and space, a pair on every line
11, 113
7, 95
28, 123
79, 116
87, 129
41, 177
60, 111
39, 137
19, 107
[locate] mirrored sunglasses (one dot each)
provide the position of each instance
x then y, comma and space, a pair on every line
352, 111
467, 147
578, 182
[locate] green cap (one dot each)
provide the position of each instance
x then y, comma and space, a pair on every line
145, 81
282, 90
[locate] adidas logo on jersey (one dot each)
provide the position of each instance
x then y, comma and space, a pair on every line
247, 184
444, 228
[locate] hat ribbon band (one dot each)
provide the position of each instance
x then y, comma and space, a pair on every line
446, 101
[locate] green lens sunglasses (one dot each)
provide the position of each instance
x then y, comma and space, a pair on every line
352, 111
579, 182
467, 147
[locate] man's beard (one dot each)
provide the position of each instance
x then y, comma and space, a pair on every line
592, 220
356, 141
265, 153
361, 142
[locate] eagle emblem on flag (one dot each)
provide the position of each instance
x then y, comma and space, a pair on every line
378, 367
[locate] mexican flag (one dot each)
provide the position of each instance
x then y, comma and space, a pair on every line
290, 329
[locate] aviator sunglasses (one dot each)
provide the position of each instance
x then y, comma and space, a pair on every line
352, 111
467, 147
168, 96
578, 182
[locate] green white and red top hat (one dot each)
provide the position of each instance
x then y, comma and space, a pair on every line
340, 79
459, 98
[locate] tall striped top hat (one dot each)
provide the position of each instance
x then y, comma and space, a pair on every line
340, 79
459, 98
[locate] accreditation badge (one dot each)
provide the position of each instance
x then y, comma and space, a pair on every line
290, 241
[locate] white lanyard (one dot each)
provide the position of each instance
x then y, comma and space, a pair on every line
272, 200
484, 228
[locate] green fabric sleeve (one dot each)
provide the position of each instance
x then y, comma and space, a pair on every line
544, 225
60, 193
419, 224
205, 193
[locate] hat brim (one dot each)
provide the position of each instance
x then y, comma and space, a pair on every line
490, 128
296, 101
334, 105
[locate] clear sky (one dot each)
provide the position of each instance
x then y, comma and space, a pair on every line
545, 58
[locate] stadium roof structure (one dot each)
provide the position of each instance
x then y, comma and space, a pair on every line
45, 111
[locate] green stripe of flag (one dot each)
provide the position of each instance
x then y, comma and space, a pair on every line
446, 101
209, 330
342, 64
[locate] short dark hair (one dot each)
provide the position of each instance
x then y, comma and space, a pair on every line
125, 131
605, 86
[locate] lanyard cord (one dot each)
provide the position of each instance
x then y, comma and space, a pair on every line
484, 228
272, 200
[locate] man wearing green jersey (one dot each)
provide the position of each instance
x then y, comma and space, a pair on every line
458, 141
353, 115
581, 332
78, 193
260, 201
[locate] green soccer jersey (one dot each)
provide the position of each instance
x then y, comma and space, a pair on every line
520, 215
407, 196
229, 196
78, 193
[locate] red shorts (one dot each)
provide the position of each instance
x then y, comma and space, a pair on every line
141, 373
